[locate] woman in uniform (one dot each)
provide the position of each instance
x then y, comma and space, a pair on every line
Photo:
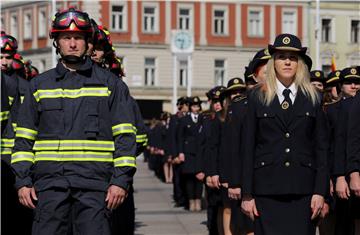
284, 163
188, 133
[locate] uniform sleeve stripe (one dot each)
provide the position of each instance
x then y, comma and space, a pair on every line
125, 161
26, 133
22, 156
123, 129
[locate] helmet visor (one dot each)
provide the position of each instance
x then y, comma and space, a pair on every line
63, 20
8, 43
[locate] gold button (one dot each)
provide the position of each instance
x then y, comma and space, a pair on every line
265, 114
287, 135
287, 164
287, 150
307, 113
262, 163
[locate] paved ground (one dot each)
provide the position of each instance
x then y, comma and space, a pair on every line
155, 213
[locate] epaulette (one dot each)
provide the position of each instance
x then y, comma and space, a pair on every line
332, 102
238, 99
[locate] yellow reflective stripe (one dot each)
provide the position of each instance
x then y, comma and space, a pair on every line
125, 161
11, 100
332, 79
100, 145
7, 142
123, 128
71, 93
14, 125
5, 115
73, 156
22, 99
22, 156
26, 133
141, 138
6, 150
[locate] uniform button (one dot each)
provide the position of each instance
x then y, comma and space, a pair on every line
307, 113
287, 150
265, 114
262, 163
287, 164
309, 164
287, 135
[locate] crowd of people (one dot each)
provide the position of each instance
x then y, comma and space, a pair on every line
277, 152
69, 136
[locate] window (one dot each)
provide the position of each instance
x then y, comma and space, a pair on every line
150, 71
118, 18
183, 73
150, 24
326, 68
255, 23
27, 26
220, 22
326, 30
42, 24
2, 23
355, 31
219, 72
14, 26
184, 19
289, 22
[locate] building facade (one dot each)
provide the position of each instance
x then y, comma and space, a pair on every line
339, 33
226, 35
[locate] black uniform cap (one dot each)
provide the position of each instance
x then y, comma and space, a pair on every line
248, 75
195, 100
350, 74
261, 57
317, 76
333, 78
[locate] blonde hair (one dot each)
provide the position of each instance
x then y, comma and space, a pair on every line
302, 81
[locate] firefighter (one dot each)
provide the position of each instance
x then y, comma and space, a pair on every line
75, 146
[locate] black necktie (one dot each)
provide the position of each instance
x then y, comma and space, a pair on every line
286, 104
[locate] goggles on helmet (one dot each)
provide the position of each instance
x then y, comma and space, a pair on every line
8, 43
63, 20
18, 62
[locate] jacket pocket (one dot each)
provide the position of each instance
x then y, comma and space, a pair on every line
92, 118
263, 161
51, 114
308, 162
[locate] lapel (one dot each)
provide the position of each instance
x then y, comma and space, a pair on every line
298, 106
276, 107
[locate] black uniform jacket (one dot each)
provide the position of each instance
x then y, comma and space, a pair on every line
188, 132
340, 135
332, 112
75, 129
285, 157
353, 137
239, 108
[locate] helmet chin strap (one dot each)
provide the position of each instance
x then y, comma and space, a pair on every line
73, 59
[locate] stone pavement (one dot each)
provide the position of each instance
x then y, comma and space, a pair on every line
155, 213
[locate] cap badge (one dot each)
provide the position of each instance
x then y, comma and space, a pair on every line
353, 71
236, 81
317, 74
266, 52
196, 99
286, 40
337, 73
217, 93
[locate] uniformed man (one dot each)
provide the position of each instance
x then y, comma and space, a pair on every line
11, 64
75, 143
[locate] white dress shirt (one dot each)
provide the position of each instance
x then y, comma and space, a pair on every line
194, 117
281, 88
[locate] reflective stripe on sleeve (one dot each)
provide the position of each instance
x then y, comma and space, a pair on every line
26, 133
5, 115
141, 138
9, 143
123, 128
11, 100
96, 145
73, 156
125, 161
6, 151
22, 156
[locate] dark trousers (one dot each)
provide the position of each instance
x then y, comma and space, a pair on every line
193, 186
87, 209
123, 217
284, 215
178, 183
15, 218
344, 224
